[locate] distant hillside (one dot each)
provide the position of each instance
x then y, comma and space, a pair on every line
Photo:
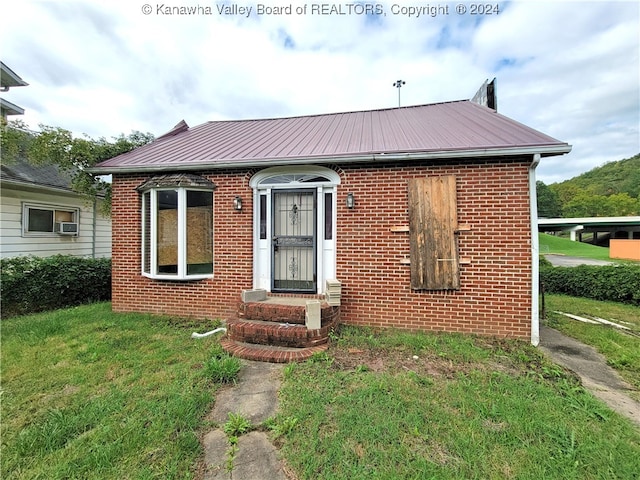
622, 176
612, 189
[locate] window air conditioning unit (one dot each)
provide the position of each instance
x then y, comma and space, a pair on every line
66, 228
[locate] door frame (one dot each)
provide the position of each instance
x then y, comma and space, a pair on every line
304, 177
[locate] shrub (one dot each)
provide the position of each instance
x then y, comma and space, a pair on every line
544, 262
34, 284
616, 283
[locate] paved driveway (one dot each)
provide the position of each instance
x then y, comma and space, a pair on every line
566, 261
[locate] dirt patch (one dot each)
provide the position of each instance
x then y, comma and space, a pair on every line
383, 360
398, 359
59, 397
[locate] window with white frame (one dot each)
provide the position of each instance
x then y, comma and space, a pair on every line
39, 220
177, 228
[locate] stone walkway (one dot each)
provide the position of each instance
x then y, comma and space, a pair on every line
254, 396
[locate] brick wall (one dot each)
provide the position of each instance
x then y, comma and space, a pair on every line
212, 298
495, 293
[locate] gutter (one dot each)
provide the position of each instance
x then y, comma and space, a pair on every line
535, 253
548, 150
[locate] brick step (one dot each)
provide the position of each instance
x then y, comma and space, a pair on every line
275, 334
268, 353
274, 330
281, 312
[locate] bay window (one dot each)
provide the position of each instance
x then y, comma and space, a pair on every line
177, 227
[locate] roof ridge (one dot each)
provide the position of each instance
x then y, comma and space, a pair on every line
410, 132
314, 115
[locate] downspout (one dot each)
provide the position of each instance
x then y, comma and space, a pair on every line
535, 253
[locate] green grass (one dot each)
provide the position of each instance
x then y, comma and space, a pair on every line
87, 393
621, 350
466, 408
563, 246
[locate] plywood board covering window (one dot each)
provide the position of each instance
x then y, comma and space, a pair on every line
433, 222
168, 237
199, 235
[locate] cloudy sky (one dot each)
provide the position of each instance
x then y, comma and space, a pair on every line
567, 68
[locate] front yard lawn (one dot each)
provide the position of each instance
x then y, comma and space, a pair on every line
87, 393
423, 406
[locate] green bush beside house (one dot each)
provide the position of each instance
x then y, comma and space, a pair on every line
34, 284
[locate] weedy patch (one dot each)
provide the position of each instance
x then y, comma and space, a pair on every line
281, 426
382, 404
236, 425
222, 368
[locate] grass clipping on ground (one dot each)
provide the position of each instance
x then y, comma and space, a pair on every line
399, 405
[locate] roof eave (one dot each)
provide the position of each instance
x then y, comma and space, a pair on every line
14, 79
10, 108
37, 186
543, 150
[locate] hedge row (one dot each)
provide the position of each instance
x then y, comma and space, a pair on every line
33, 284
616, 283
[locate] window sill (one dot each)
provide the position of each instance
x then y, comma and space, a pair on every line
47, 235
176, 278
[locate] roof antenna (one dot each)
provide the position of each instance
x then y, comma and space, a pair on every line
398, 84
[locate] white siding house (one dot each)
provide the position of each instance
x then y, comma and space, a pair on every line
39, 212
41, 215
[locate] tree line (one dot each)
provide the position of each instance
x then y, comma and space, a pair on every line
611, 190
74, 155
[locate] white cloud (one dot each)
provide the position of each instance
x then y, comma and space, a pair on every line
569, 69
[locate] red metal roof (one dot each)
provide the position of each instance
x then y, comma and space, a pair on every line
440, 130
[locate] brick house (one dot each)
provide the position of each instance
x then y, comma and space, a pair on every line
418, 217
